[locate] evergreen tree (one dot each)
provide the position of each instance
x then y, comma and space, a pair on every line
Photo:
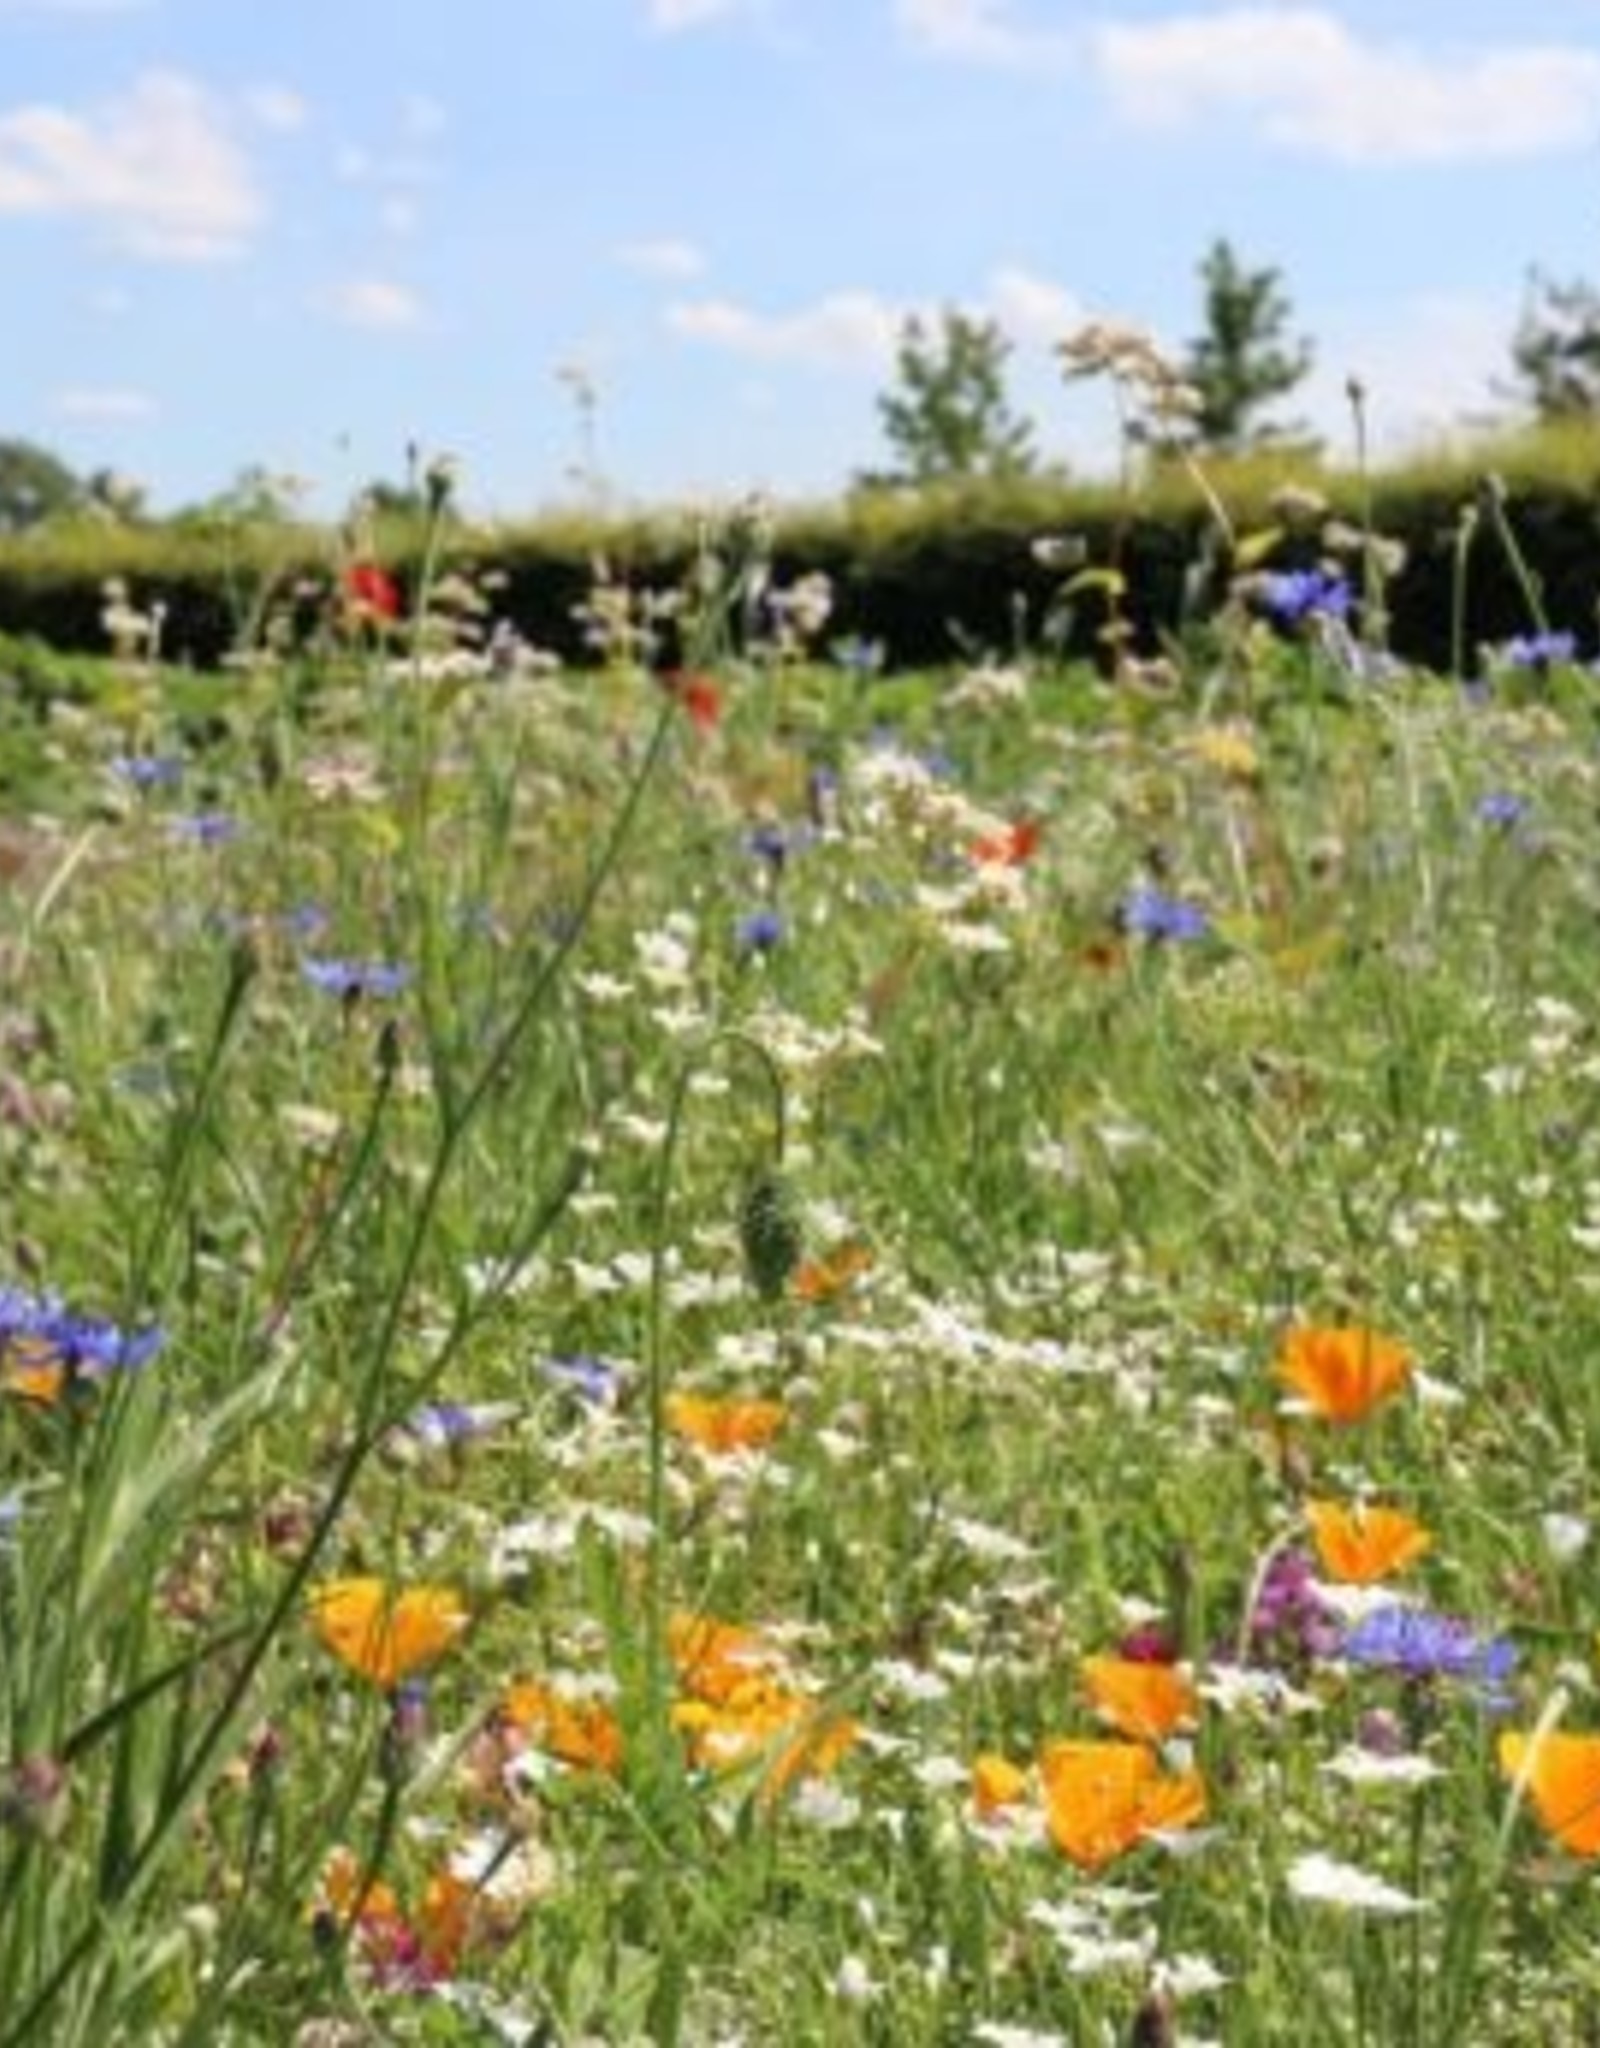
948, 415
1556, 349
1242, 362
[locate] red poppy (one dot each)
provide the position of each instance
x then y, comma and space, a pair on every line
1012, 847
372, 592
700, 696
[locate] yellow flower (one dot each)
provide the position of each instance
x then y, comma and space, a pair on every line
383, 1635
1361, 1545
1102, 1798
1563, 1780
1342, 1374
1144, 1700
724, 1426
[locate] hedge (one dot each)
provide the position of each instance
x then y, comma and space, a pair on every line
933, 576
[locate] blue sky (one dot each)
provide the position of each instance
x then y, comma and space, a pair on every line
303, 233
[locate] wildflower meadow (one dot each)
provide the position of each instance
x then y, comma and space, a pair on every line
729, 1347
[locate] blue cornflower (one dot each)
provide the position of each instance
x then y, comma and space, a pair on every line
351, 979
1145, 913
1502, 808
1419, 1645
1538, 650
595, 1381
1294, 595
759, 932
438, 1425
38, 1332
147, 771
206, 828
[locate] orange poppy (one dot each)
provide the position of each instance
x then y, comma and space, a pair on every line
784, 1731
1102, 1798
584, 1733
32, 1369
1139, 1698
718, 1661
1563, 1780
383, 1635
1361, 1545
997, 1783
1342, 1374
826, 1278
724, 1426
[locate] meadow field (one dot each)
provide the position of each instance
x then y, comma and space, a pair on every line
759, 1351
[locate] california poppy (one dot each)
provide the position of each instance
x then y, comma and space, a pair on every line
1361, 1545
383, 1635
1342, 1374
1139, 1698
1102, 1798
724, 1426
719, 1661
581, 1732
1563, 1779
32, 1369
825, 1279
785, 1731
997, 1783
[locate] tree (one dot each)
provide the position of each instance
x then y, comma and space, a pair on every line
947, 415
1556, 348
1242, 362
34, 486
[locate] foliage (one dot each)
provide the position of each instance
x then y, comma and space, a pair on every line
1242, 362
947, 415
1556, 349
35, 486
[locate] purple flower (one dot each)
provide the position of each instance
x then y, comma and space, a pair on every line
760, 932
1289, 1621
206, 828
1294, 595
352, 979
1422, 1646
41, 1331
440, 1425
1538, 650
1146, 914
1502, 808
147, 771
595, 1381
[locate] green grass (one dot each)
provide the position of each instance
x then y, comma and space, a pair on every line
1082, 1181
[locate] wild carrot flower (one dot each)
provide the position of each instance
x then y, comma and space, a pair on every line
1361, 1545
1562, 1776
382, 1635
1342, 1374
1324, 1881
1103, 1798
1141, 1699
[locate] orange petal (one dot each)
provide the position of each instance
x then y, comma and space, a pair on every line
1342, 1373
1361, 1545
386, 1637
1563, 1778
1145, 1700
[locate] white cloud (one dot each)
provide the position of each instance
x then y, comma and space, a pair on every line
858, 330
157, 168
664, 256
422, 117
672, 15
978, 32
1313, 86
376, 302
278, 107
1031, 309
1429, 365
850, 330
83, 402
